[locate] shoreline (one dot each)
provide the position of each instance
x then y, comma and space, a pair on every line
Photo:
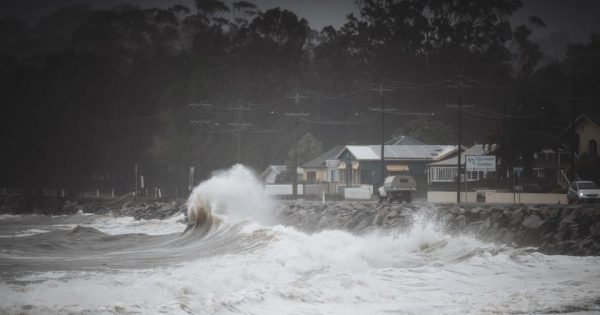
551, 229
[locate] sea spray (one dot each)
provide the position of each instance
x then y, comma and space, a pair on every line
242, 268
234, 195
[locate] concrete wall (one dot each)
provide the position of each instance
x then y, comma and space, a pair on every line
449, 196
497, 197
358, 193
283, 189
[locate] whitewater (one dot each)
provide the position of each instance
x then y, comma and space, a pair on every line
229, 255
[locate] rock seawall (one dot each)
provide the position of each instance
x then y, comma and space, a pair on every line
552, 229
139, 208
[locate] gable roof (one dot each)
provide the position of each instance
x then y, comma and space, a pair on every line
594, 118
404, 140
478, 149
277, 169
320, 160
400, 152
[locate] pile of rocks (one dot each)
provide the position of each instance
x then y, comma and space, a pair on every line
357, 217
552, 229
139, 208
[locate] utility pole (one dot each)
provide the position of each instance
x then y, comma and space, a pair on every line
574, 142
381, 90
460, 87
458, 164
239, 126
135, 171
297, 98
295, 158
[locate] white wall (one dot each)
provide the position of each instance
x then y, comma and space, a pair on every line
359, 193
449, 196
497, 197
282, 189
270, 177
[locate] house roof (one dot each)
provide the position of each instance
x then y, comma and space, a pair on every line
404, 140
320, 160
594, 118
478, 149
400, 152
277, 169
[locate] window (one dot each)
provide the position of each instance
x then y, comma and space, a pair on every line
332, 177
588, 185
472, 176
311, 176
442, 174
593, 147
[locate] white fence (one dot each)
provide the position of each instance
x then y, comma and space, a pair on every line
363, 192
282, 189
496, 197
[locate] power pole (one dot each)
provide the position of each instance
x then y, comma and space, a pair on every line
460, 87
574, 142
297, 98
381, 90
239, 126
295, 158
135, 171
458, 163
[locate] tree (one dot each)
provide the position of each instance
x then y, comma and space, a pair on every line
520, 131
307, 148
428, 130
434, 36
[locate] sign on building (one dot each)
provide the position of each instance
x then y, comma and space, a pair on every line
481, 163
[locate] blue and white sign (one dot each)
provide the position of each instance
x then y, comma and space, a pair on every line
481, 163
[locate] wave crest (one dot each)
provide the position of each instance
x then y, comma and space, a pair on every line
233, 195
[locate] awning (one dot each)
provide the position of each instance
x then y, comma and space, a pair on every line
397, 168
343, 165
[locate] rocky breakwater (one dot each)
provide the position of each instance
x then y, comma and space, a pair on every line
551, 229
139, 208
357, 217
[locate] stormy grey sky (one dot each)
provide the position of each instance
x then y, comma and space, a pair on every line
567, 21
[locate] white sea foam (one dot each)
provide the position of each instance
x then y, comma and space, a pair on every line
234, 195
127, 225
422, 271
419, 271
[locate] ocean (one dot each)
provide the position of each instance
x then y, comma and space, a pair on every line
233, 257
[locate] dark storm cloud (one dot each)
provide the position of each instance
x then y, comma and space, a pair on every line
573, 20
319, 13
578, 18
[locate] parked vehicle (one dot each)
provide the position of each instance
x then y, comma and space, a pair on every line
583, 191
399, 187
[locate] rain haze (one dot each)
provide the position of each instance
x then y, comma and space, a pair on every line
299, 157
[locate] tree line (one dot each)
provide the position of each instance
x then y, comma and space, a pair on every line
87, 94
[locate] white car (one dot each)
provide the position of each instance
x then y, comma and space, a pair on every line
583, 191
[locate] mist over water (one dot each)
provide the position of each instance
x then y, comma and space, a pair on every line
248, 263
234, 195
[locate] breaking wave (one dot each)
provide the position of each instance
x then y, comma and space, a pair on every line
234, 195
233, 258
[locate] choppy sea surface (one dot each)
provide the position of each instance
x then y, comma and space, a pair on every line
94, 264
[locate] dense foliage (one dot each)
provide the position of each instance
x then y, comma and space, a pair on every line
87, 94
